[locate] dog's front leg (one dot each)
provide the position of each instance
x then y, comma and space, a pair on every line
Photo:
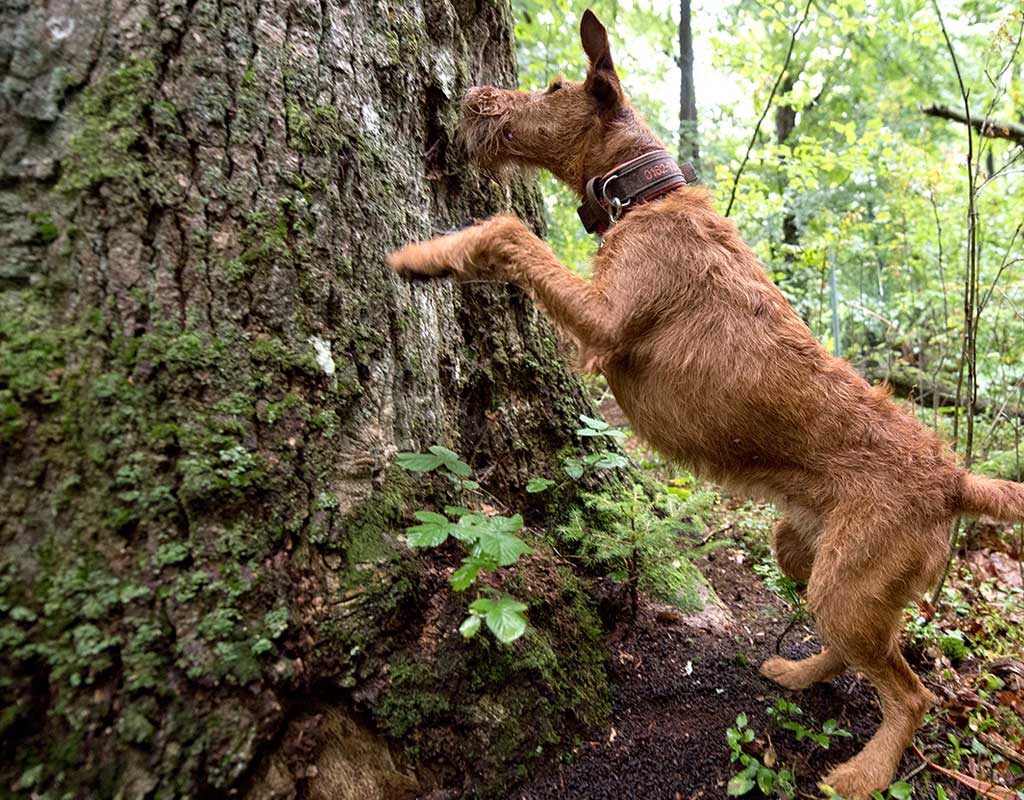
503, 248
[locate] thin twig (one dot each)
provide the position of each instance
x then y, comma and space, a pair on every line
968, 350
767, 106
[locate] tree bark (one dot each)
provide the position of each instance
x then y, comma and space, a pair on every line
206, 371
689, 138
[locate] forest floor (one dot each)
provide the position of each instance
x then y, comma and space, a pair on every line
683, 684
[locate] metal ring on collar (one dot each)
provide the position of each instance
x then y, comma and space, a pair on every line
615, 204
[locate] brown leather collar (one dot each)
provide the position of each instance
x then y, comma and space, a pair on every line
631, 183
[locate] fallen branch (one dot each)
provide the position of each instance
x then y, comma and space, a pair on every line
909, 382
984, 788
992, 128
996, 742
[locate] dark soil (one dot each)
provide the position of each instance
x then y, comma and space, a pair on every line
667, 737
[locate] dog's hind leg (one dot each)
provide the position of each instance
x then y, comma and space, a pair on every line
793, 540
857, 593
795, 675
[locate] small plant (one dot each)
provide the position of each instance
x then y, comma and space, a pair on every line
755, 772
490, 540
605, 459
781, 584
438, 457
576, 466
784, 714
901, 790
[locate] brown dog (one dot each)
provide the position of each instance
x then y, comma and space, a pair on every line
716, 370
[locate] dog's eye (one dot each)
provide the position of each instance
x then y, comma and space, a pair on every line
556, 84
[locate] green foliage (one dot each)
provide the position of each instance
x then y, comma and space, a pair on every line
635, 538
754, 773
504, 617
46, 230
438, 457
784, 715
901, 790
490, 542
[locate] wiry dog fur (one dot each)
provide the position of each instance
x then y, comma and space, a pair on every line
714, 368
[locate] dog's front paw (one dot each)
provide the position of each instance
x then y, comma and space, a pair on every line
425, 259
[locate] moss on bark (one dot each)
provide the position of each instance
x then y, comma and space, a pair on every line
206, 371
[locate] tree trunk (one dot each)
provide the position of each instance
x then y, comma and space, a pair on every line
689, 139
206, 372
785, 124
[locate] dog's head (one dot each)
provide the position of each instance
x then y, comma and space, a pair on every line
575, 129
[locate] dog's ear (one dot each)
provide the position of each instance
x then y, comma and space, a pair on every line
602, 80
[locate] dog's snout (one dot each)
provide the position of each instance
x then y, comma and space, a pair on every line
487, 101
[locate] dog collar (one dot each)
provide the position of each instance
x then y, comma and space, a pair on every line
640, 180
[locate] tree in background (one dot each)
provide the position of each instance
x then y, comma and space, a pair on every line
689, 138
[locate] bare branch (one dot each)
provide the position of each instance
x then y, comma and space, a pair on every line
992, 128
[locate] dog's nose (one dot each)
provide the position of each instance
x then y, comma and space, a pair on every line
485, 101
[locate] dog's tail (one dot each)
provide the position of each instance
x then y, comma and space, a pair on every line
1003, 500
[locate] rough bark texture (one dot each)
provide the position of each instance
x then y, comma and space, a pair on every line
205, 374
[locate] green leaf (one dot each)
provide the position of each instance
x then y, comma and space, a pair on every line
512, 524
433, 531
452, 461
741, 720
901, 791
742, 782
505, 548
418, 462
464, 576
594, 424
940, 793
573, 468
506, 620
610, 460
535, 485
765, 780
481, 607
470, 625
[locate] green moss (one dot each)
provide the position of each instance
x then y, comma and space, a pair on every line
415, 697
512, 701
46, 230
108, 120
321, 129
